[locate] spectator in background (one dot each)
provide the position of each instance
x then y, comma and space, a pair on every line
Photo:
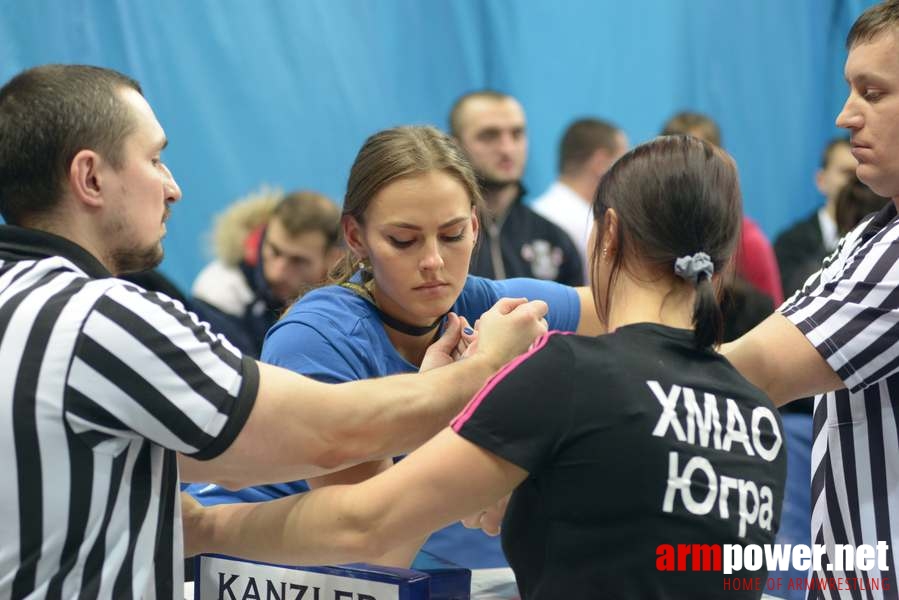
269, 246
755, 260
587, 150
853, 203
514, 240
801, 248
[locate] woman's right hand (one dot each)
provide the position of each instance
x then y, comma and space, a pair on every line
509, 328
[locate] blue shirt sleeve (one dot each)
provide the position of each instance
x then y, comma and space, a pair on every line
305, 350
564, 304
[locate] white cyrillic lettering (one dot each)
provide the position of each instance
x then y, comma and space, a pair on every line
766, 508
736, 429
727, 484
747, 516
681, 482
758, 414
668, 418
705, 423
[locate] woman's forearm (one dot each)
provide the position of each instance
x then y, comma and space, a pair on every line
306, 529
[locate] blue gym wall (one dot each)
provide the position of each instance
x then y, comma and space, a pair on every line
284, 91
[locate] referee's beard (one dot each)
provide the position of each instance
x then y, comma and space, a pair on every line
135, 260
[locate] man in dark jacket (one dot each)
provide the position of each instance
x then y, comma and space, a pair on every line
514, 240
801, 248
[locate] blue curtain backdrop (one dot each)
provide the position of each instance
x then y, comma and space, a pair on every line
284, 92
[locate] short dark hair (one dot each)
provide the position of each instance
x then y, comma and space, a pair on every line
874, 21
304, 211
830, 148
456, 111
47, 115
674, 196
688, 123
581, 139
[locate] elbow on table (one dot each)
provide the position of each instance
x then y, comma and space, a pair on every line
361, 546
360, 535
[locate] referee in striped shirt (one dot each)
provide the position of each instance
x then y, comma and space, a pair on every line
839, 334
103, 382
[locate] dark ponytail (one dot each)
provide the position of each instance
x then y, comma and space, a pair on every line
707, 318
697, 269
679, 211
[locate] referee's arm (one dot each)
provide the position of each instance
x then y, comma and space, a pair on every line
777, 358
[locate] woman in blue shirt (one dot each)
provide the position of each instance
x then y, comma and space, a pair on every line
410, 223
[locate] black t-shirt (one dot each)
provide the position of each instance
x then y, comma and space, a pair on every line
630, 441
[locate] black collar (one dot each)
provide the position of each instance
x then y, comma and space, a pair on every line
880, 220
21, 243
401, 326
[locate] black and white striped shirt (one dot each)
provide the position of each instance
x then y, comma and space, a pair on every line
101, 383
850, 312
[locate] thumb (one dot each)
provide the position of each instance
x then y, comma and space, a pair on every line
468, 333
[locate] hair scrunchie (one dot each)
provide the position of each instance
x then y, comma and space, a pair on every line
691, 267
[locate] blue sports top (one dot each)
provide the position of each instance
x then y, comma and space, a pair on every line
334, 335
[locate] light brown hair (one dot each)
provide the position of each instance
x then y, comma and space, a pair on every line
393, 154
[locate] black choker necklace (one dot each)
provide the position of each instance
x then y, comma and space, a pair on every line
401, 326
416, 330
